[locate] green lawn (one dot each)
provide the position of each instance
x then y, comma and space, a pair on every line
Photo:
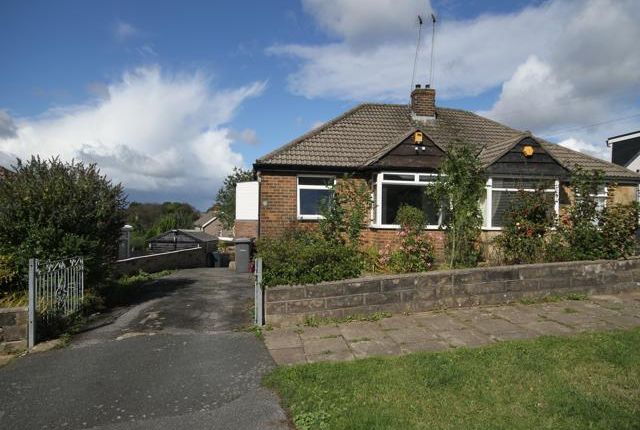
587, 381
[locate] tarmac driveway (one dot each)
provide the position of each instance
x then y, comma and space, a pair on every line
174, 361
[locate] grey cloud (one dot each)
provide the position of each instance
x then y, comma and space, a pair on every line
8, 128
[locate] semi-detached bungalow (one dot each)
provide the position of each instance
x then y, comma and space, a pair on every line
398, 149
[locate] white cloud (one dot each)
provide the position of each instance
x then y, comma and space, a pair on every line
247, 135
559, 64
363, 22
7, 126
155, 132
317, 124
123, 30
535, 97
600, 151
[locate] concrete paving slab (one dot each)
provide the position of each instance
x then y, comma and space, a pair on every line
322, 332
411, 334
288, 355
325, 346
470, 327
427, 345
374, 347
549, 328
437, 321
285, 338
361, 331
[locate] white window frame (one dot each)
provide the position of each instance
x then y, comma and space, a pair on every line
488, 201
377, 189
310, 187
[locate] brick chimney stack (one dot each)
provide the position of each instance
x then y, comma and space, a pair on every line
423, 103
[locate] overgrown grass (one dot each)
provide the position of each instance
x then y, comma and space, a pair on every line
587, 381
316, 321
14, 299
553, 298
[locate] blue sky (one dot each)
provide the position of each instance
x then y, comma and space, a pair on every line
167, 96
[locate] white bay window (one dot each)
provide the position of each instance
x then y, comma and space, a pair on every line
501, 192
393, 189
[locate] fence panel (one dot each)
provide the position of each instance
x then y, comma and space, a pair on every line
56, 288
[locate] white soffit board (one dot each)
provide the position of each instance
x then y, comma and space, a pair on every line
623, 138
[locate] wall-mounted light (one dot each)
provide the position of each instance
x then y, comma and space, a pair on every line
527, 151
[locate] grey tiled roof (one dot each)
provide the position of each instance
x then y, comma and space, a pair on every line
367, 131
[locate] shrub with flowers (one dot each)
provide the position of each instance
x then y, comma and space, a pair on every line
528, 221
415, 253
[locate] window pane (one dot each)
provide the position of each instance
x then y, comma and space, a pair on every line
310, 201
426, 178
395, 177
314, 180
393, 196
523, 183
501, 205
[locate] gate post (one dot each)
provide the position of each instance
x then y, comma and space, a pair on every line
31, 335
259, 294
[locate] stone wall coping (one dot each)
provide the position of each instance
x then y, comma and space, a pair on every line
450, 272
13, 310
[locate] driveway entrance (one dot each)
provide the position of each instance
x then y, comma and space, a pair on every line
176, 360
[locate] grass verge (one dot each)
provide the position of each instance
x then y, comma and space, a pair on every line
591, 381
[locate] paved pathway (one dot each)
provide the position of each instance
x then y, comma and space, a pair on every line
436, 331
174, 361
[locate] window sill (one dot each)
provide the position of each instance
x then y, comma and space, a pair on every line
397, 227
310, 217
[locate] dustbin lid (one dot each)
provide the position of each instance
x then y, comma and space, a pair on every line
242, 240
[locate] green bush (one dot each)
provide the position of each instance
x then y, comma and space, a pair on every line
304, 257
582, 233
618, 227
524, 236
415, 253
50, 210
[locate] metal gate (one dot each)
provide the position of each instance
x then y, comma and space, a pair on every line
56, 288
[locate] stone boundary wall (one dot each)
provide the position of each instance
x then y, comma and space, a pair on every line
13, 329
447, 289
181, 259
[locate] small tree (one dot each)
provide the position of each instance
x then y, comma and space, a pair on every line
226, 197
51, 209
460, 186
345, 214
581, 225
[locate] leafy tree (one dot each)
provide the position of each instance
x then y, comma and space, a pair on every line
226, 197
460, 186
151, 219
345, 214
50, 209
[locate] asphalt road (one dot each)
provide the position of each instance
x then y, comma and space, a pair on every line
174, 361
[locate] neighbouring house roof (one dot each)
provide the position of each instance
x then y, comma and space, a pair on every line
363, 134
197, 235
205, 219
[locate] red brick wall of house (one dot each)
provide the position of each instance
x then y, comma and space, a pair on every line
278, 203
278, 213
246, 228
